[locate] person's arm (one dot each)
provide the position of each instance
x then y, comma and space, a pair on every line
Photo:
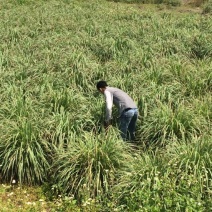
109, 105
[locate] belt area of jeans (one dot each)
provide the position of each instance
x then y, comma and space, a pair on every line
125, 110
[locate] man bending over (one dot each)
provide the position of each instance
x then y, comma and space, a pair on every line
128, 112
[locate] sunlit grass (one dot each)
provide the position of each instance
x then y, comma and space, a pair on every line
90, 165
52, 54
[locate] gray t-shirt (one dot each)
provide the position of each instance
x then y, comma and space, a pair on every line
119, 98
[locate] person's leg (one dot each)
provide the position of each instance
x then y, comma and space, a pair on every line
125, 120
132, 125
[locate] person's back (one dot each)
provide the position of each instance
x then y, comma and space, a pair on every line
121, 99
127, 109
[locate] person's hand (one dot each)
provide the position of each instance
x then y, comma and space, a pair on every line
107, 124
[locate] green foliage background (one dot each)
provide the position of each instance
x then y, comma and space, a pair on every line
52, 53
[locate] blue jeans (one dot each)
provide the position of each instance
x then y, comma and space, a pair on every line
127, 124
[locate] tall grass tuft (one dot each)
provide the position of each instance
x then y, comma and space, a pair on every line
171, 121
193, 159
175, 178
201, 46
24, 155
89, 166
142, 188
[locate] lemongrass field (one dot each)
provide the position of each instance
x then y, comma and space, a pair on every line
52, 54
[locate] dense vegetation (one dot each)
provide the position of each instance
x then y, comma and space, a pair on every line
52, 53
